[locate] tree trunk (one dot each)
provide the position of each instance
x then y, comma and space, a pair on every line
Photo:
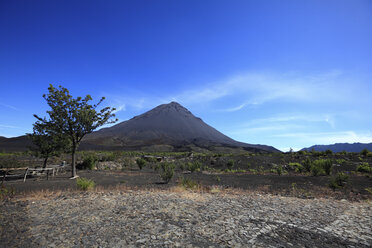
45, 162
73, 163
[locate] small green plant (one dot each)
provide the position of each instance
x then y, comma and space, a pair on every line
84, 183
339, 181
188, 183
307, 164
194, 166
167, 171
297, 167
218, 179
364, 167
230, 164
279, 170
317, 170
89, 163
141, 163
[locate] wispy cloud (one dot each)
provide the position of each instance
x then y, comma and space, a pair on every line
259, 88
8, 106
8, 126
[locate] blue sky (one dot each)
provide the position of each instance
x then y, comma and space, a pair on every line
281, 73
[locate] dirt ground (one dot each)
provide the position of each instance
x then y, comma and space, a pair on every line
290, 185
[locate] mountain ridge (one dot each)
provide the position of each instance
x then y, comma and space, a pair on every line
339, 147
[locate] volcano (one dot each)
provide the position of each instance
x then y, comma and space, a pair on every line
167, 125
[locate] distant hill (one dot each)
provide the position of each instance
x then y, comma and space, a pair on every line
339, 147
167, 127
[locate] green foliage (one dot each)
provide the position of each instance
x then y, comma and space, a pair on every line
339, 181
328, 152
321, 167
364, 152
307, 164
188, 183
317, 169
141, 163
167, 171
364, 167
297, 167
279, 170
230, 164
84, 183
72, 117
89, 162
46, 141
194, 166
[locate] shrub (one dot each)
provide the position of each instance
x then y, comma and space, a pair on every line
141, 163
307, 164
193, 166
364, 152
339, 181
297, 167
328, 152
321, 166
188, 183
364, 167
317, 170
327, 166
230, 164
89, 163
84, 183
167, 171
109, 156
279, 170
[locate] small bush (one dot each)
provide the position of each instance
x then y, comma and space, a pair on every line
141, 163
364, 167
89, 163
297, 167
230, 164
364, 152
328, 152
84, 183
193, 166
279, 170
317, 170
188, 183
307, 164
321, 166
167, 171
339, 181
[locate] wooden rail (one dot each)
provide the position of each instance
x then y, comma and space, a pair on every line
53, 169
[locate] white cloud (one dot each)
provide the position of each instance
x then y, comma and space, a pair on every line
8, 126
8, 106
321, 138
259, 88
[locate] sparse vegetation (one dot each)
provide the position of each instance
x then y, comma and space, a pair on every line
85, 184
89, 163
339, 181
188, 183
167, 171
364, 167
141, 163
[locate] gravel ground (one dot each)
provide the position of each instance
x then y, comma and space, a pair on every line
144, 218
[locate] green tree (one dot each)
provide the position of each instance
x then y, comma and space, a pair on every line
73, 117
46, 142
